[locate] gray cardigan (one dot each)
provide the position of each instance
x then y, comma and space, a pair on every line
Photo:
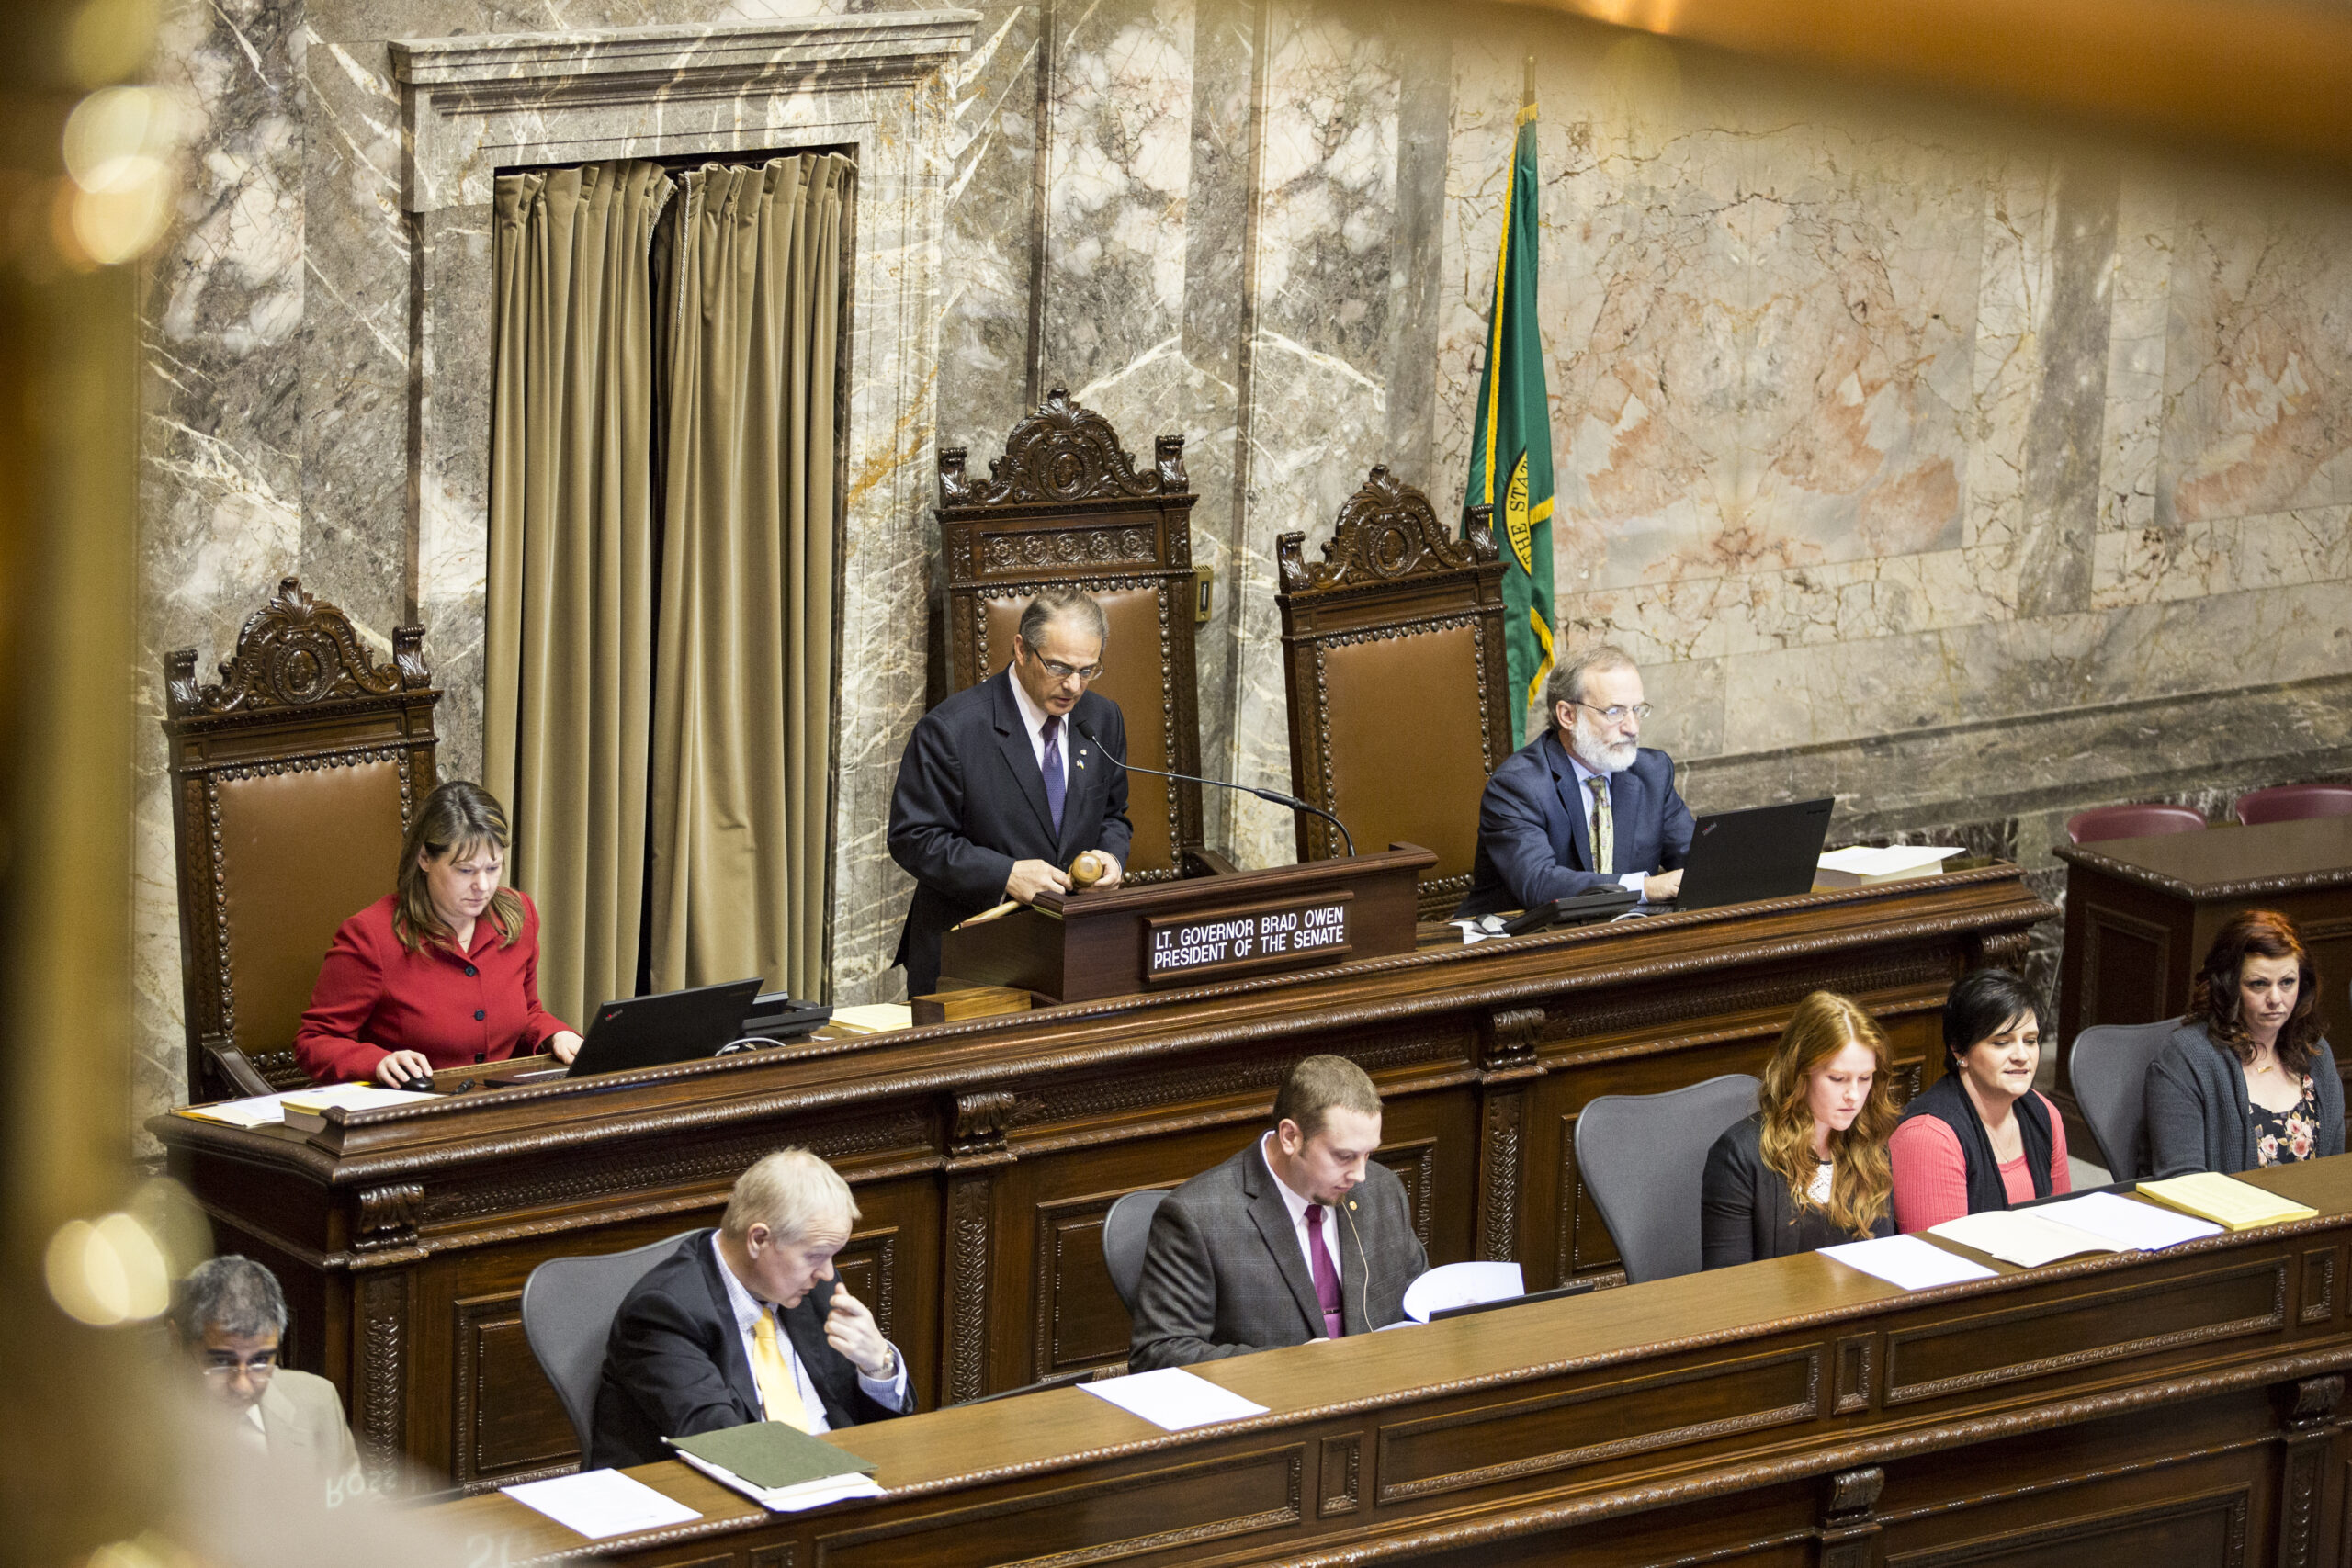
2197, 1106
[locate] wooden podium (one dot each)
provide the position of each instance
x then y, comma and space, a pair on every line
1084, 946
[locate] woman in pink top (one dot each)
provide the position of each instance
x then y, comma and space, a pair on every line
1981, 1137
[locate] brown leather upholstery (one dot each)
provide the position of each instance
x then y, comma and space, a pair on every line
1393, 666
1066, 506
292, 782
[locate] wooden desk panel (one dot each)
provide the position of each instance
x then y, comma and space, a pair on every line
985, 1153
1787, 1412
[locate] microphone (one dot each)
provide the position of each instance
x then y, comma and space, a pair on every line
1274, 795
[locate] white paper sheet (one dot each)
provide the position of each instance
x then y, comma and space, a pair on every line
1173, 1398
2026, 1237
1460, 1285
1907, 1261
2129, 1222
601, 1503
261, 1110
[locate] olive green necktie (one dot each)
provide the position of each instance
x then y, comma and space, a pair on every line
1604, 828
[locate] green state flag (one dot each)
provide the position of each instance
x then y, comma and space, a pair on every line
1511, 443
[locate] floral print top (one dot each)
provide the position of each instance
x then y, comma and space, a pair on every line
2283, 1137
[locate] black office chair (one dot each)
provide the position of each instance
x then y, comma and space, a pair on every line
1643, 1160
568, 1309
1125, 1230
2109, 1070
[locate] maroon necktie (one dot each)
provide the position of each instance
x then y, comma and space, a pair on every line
1326, 1279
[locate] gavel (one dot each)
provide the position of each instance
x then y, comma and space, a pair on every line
1088, 869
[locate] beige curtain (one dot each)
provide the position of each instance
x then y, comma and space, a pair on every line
743, 681
570, 618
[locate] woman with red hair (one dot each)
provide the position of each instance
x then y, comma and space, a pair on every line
2246, 1081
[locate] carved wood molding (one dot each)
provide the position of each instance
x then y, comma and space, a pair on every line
978, 1124
295, 652
387, 1215
380, 1401
1501, 1167
1063, 453
1848, 1532
964, 1352
1385, 531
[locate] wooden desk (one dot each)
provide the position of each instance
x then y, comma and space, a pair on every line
2173, 1410
985, 1153
2141, 913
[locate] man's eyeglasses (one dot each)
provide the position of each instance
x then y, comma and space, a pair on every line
1618, 714
1061, 671
259, 1365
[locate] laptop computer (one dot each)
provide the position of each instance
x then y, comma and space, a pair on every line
670, 1026
1766, 852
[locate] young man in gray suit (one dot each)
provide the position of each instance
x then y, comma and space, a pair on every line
1302, 1235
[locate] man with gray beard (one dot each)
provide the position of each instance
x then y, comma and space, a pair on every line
1584, 806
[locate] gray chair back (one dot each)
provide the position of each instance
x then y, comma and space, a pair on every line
1125, 1230
1643, 1158
568, 1309
2109, 1070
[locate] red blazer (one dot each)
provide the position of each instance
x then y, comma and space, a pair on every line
374, 996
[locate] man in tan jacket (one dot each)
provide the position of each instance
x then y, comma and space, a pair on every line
229, 1317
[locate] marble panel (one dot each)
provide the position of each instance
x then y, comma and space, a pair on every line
221, 484
2258, 365
1316, 405
2139, 301
2230, 555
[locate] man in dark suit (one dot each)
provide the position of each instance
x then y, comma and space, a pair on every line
746, 1322
1302, 1235
1583, 804
1000, 789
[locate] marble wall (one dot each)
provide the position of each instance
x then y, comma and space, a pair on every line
1972, 473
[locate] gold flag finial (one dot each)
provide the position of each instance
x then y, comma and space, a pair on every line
1527, 100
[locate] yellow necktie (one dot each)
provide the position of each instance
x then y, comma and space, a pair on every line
771, 1368
1604, 828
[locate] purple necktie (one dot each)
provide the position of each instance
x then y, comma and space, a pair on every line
1055, 784
1326, 1279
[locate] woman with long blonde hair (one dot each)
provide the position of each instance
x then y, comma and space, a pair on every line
1810, 1168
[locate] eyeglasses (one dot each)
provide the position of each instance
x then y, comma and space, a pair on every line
1061, 671
259, 1365
1617, 714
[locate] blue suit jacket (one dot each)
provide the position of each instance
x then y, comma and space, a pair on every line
1533, 845
970, 801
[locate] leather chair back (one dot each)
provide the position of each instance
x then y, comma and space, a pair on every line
2294, 803
568, 1305
1066, 506
293, 780
2140, 820
1393, 665
2108, 1070
1643, 1158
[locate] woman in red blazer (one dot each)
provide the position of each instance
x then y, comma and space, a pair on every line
443, 971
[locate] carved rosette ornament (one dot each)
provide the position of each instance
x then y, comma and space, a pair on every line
1386, 531
1062, 453
294, 651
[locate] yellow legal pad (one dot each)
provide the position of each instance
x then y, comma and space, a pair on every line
2224, 1199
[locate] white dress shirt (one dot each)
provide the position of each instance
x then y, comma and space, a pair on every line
1034, 718
1633, 881
1297, 1207
891, 1392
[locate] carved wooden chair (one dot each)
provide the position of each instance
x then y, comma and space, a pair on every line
292, 784
1065, 505
1393, 666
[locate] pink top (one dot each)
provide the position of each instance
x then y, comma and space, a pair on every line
1931, 1174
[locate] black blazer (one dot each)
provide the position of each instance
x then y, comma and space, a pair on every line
1533, 843
1746, 1212
674, 1363
970, 800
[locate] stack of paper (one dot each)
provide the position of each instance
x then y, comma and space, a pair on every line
2026, 1237
601, 1503
261, 1110
307, 1109
873, 1018
2224, 1199
1861, 865
781, 1468
1173, 1398
1907, 1261
2140, 1227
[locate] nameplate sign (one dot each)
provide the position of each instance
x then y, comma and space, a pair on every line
1214, 944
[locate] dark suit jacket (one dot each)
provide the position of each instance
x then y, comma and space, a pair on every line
674, 1364
970, 800
1746, 1211
1224, 1274
1533, 845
